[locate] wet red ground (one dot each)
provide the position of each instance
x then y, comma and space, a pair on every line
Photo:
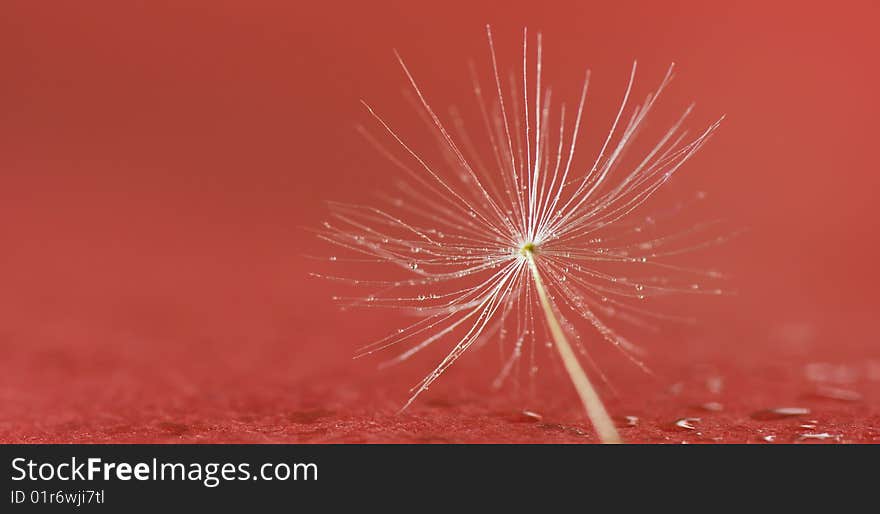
140, 388
158, 164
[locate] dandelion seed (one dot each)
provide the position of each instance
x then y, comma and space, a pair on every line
514, 236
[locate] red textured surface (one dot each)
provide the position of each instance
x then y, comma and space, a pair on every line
158, 163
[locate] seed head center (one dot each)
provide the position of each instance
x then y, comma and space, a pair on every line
528, 249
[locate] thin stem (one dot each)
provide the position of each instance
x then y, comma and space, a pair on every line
592, 403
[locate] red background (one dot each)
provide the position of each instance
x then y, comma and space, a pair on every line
160, 165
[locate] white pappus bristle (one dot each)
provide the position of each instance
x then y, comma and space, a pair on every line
516, 242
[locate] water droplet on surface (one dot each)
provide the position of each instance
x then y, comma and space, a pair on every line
712, 407
332, 259
715, 384
413, 266
531, 416
770, 438
626, 421
687, 423
836, 393
818, 436
780, 413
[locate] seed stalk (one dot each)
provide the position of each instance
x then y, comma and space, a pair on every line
596, 412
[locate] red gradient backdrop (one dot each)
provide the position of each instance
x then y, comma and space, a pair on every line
160, 165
